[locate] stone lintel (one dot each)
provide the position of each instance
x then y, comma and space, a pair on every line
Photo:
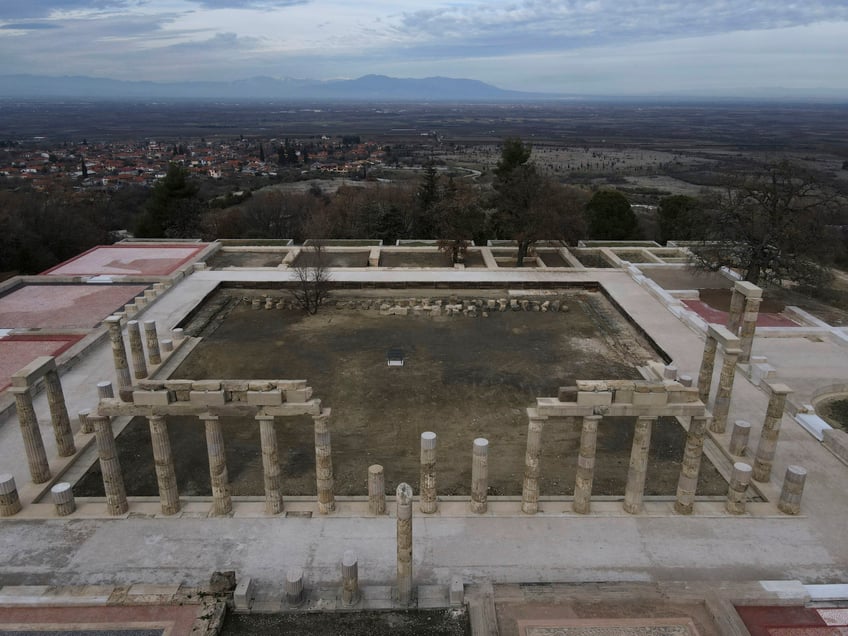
265, 398
312, 407
301, 394
692, 409
206, 385
723, 335
31, 373
152, 398
208, 398
778, 388
748, 290
649, 399
680, 394
116, 408
551, 407
594, 398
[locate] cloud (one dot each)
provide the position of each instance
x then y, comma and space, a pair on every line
29, 26
16, 10
249, 4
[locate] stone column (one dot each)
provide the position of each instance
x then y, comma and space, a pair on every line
10, 503
324, 463
427, 488
691, 466
749, 326
771, 430
39, 468
350, 578
734, 317
739, 437
63, 499
294, 586
586, 465
270, 465
721, 407
152, 340
635, 488
793, 488
59, 414
163, 460
705, 376
376, 490
739, 481
105, 390
119, 354
404, 543
85, 426
532, 461
137, 350
480, 476
113, 480
222, 500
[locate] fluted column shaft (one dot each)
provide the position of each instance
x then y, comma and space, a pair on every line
734, 317
324, 463
404, 543
350, 578
110, 467
721, 406
638, 470
586, 465
749, 326
771, 430
376, 490
119, 353
270, 465
39, 468
163, 460
687, 484
480, 476
222, 502
705, 375
137, 350
532, 466
739, 480
59, 414
427, 492
151, 338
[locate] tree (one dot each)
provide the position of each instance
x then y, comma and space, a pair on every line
678, 218
173, 209
428, 196
771, 227
312, 278
458, 217
610, 217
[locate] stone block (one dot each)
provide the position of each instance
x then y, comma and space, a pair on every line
32, 372
623, 396
303, 394
259, 385
594, 398
208, 398
265, 398
650, 399
244, 594
682, 394
748, 290
178, 385
152, 398
457, 592
151, 385
206, 385
836, 441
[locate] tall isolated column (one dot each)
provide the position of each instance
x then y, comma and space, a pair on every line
771, 430
324, 463
59, 414
721, 406
137, 350
39, 468
705, 376
163, 460
749, 326
151, 338
532, 464
687, 484
119, 354
350, 578
586, 465
221, 497
480, 476
734, 317
427, 493
376, 490
270, 465
113, 480
404, 543
635, 489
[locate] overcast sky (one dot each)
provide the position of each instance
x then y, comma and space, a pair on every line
570, 46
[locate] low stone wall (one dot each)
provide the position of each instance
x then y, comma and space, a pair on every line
836, 441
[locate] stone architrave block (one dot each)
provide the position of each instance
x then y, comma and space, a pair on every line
650, 399
594, 398
206, 385
836, 441
244, 594
299, 395
152, 398
313, 407
151, 385
623, 396
32, 372
748, 290
265, 398
551, 407
208, 398
259, 385
682, 394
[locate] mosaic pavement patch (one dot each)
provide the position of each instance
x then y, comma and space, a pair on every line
112, 620
17, 351
128, 260
608, 627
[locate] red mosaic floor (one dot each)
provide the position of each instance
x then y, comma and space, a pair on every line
794, 621
18, 351
128, 260
135, 620
63, 306
713, 315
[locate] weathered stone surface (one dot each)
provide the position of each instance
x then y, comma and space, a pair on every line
721, 406
163, 461
10, 503
635, 488
739, 481
793, 489
152, 398
265, 398
586, 465
219, 477
690, 467
404, 543
110, 467
324, 463
34, 371
771, 430
376, 490
39, 468
427, 495
532, 463
270, 465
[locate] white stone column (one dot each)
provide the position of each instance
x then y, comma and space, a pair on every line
63, 499
270, 465
166, 476
532, 461
136, 350
793, 488
376, 490
586, 465
85, 426
350, 579
770, 432
635, 488
10, 503
119, 354
110, 467
739, 481
739, 437
749, 326
705, 376
721, 406
294, 586
480, 476
324, 463
105, 390
39, 468
59, 414
687, 484
427, 492
734, 316
222, 499
152, 339
404, 543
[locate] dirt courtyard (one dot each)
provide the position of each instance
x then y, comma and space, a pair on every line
463, 377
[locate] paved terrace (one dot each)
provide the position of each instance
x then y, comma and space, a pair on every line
503, 546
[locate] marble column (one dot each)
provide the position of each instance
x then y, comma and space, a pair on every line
793, 488
770, 432
749, 326
635, 489
586, 465
59, 414
10, 502
376, 490
427, 489
136, 350
270, 465
350, 578
739, 481
532, 466
63, 499
105, 390
85, 426
739, 437
163, 460
152, 340
404, 543
705, 376
222, 500
294, 586
39, 468
324, 463
687, 484
734, 317
119, 353
110, 467
480, 476
721, 406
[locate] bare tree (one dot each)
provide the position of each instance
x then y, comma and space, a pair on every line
312, 278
